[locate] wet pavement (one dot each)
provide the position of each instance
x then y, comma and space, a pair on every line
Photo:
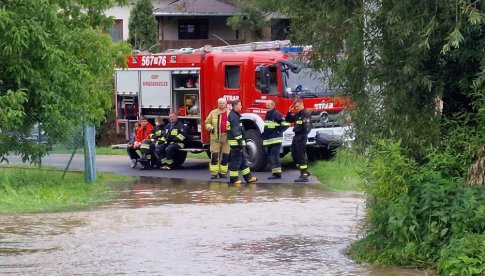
192, 169
157, 226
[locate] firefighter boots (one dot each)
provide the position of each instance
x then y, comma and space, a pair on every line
237, 182
302, 179
274, 176
222, 175
252, 180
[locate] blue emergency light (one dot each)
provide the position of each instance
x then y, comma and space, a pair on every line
292, 49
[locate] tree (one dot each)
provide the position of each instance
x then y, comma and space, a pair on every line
396, 59
143, 26
249, 17
57, 69
423, 175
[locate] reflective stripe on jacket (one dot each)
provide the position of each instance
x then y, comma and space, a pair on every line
302, 122
157, 133
235, 130
174, 133
274, 126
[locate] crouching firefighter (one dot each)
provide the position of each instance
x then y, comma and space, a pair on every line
147, 148
171, 141
301, 130
274, 126
216, 123
237, 156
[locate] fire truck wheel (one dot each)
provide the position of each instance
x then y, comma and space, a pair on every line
315, 154
326, 154
179, 158
311, 155
254, 146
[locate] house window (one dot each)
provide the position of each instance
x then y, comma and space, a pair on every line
116, 31
232, 77
193, 29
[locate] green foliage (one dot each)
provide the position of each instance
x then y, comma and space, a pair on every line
41, 190
414, 211
339, 173
464, 256
143, 26
250, 17
57, 69
395, 58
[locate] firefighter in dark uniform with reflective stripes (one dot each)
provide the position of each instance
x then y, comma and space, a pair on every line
237, 157
172, 140
298, 145
274, 126
147, 148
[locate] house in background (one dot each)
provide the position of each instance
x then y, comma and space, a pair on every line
194, 23
119, 31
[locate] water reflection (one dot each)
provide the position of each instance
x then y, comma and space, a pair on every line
163, 227
157, 191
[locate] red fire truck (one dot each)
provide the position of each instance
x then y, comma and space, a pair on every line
189, 82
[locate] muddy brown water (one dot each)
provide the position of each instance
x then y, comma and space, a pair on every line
173, 227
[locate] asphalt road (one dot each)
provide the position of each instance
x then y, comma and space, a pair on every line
192, 169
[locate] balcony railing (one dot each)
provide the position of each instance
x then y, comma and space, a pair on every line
195, 43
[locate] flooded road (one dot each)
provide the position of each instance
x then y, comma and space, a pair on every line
163, 227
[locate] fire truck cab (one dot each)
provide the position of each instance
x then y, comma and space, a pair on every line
190, 81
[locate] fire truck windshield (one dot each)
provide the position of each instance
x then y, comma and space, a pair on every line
305, 82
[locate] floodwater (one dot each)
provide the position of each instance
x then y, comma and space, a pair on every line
172, 227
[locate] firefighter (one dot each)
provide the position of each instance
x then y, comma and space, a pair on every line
237, 156
172, 139
274, 125
216, 124
147, 148
301, 130
142, 134
131, 143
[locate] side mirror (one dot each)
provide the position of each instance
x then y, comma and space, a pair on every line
292, 66
262, 72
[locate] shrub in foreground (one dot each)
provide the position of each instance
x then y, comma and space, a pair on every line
416, 215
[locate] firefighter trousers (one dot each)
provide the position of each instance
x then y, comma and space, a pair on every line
166, 152
298, 153
147, 150
238, 162
132, 152
219, 157
273, 152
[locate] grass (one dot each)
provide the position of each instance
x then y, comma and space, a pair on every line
202, 155
109, 151
103, 150
27, 190
336, 174
99, 150
340, 173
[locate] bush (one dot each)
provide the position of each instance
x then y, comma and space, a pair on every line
464, 256
414, 212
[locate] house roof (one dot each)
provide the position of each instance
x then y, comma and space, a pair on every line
196, 7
